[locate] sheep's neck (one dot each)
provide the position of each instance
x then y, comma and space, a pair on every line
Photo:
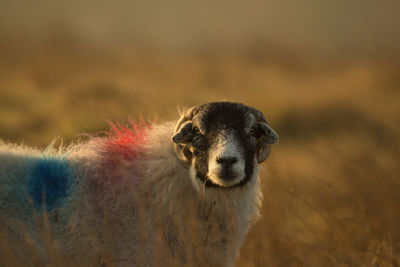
209, 230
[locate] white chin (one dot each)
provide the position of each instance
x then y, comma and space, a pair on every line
223, 182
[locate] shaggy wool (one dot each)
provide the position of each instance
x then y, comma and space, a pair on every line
122, 199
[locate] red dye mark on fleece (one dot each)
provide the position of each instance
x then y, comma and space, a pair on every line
119, 151
126, 141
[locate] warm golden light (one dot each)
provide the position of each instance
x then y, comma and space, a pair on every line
326, 75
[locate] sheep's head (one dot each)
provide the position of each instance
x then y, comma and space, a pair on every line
223, 142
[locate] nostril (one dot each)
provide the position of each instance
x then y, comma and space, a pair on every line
227, 160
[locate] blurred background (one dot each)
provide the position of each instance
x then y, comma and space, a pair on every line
325, 73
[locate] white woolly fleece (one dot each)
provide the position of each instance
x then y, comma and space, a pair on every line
146, 212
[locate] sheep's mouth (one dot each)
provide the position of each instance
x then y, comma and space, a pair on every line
227, 175
225, 178
221, 182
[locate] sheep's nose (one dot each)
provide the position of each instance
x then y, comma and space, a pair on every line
226, 161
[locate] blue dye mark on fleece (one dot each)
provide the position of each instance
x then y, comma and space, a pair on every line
49, 180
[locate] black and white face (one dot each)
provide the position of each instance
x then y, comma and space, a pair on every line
222, 142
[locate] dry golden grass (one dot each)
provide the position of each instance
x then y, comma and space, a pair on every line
331, 186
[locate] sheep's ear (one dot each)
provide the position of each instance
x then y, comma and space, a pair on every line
184, 134
265, 138
182, 139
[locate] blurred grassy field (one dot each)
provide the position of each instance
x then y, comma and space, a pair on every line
331, 186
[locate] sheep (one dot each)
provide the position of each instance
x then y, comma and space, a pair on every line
171, 194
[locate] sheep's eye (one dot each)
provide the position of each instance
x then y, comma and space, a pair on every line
259, 140
196, 131
253, 132
256, 135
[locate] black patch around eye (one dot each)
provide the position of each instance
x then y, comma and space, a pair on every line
257, 132
199, 142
